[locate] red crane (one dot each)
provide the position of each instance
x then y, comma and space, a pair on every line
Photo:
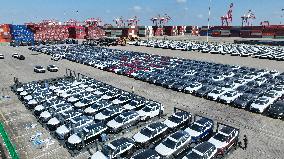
264, 23
160, 21
72, 22
132, 21
119, 21
248, 18
228, 18
93, 22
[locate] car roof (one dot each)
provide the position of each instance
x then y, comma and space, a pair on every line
204, 147
227, 130
121, 141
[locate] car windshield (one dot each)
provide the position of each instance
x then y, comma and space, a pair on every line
85, 100
196, 127
194, 155
175, 119
133, 103
261, 102
169, 143
106, 150
119, 119
220, 137
147, 132
147, 109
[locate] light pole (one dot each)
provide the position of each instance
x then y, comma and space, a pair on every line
208, 21
281, 15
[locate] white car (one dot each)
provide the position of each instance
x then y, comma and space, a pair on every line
204, 150
173, 144
39, 69
1, 56
119, 147
87, 101
109, 112
193, 87
229, 96
63, 131
150, 134
215, 93
260, 104
225, 139
151, 110
123, 121
178, 119
278, 89
56, 57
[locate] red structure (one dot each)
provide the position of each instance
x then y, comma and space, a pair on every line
160, 21
93, 22
132, 21
228, 18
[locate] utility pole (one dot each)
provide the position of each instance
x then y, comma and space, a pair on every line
281, 15
209, 9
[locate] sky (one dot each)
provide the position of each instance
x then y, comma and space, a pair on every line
182, 12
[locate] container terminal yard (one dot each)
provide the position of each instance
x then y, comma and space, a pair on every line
141, 81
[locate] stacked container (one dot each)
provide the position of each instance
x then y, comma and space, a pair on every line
145, 31
181, 30
203, 31
158, 31
5, 35
77, 32
51, 32
171, 30
94, 32
21, 34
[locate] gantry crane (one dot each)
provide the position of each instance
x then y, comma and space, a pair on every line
160, 21
132, 21
119, 21
94, 22
248, 18
228, 18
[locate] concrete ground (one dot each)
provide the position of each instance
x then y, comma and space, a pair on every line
265, 135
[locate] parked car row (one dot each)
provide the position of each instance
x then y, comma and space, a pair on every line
188, 140
81, 111
41, 69
17, 56
244, 50
252, 89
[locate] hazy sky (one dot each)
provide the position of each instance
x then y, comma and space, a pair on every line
183, 12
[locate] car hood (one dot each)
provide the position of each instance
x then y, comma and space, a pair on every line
128, 106
100, 116
164, 150
74, 139
170, 124
113, 124
45, 114
32, 102
79, 104
99, 155
72, 99
53, 121
24, 93
20, 89
192, 133
217, 143
39, 108
62, 130
28, 97
140, 138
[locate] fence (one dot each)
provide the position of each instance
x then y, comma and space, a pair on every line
12, 150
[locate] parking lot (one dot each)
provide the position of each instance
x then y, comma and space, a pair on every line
266, 135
